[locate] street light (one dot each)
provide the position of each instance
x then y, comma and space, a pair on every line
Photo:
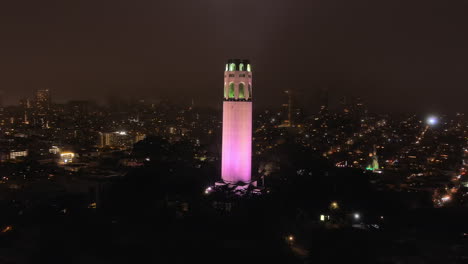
334, 205
357, 216
432, 120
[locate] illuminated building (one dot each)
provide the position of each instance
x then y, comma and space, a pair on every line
42, 99
54, 150
323, 97
14, 154
288, 122
118, 139
104, 139
237, 122
66, 157
139, 137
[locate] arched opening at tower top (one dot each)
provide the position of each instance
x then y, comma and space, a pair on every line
232, 93
241, 91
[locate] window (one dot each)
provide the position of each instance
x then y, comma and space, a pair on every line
241, 75
232, 75
250, 90
248, 68
241, 91
232, 67
241, 67
226, 67
231, 90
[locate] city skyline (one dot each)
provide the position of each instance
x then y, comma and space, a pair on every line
399, 56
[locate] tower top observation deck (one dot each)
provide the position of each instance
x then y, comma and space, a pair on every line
238, 65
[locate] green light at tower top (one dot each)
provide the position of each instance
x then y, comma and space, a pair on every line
238, 65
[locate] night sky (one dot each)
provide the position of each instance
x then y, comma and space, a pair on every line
396, 55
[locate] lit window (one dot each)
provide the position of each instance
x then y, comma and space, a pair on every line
248, 67
241, 67
232, 67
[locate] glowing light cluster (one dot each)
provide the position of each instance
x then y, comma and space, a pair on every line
67, 157
432, 120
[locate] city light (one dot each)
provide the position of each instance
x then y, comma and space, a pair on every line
66, 157
7, 229
357, 216
334, 205
208, 190
432, 120
446, 198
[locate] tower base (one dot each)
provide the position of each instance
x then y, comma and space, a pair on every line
239, 189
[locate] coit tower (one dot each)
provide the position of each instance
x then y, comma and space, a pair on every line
237, 122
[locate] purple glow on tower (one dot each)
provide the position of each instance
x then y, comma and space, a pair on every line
237, 123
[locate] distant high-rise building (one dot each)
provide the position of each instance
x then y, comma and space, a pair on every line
79, 108
288, 122
237, 122
42, 99
105, 139
323, 101
358, 109
25, 103
25, 118
344, 102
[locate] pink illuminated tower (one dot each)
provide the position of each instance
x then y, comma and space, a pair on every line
237, 122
